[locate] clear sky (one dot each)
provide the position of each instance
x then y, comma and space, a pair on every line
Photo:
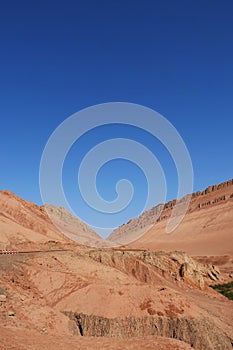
58, 57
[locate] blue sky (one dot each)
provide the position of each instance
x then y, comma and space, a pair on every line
59, 57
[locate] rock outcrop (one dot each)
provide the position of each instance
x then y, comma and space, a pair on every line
144, 265
201, 334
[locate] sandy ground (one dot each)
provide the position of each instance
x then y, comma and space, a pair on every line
16, 339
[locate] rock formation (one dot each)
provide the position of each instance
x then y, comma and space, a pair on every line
190, 331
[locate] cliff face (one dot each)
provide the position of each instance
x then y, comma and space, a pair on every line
193, 332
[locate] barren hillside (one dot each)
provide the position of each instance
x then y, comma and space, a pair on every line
207, 228
56, 293
22, 221
77, 296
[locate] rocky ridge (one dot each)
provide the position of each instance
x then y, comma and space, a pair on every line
210, 197
176, 266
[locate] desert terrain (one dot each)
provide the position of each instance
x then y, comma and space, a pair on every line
154, 293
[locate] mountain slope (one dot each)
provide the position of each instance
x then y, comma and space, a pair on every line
22, 221
73, 228
206, 229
